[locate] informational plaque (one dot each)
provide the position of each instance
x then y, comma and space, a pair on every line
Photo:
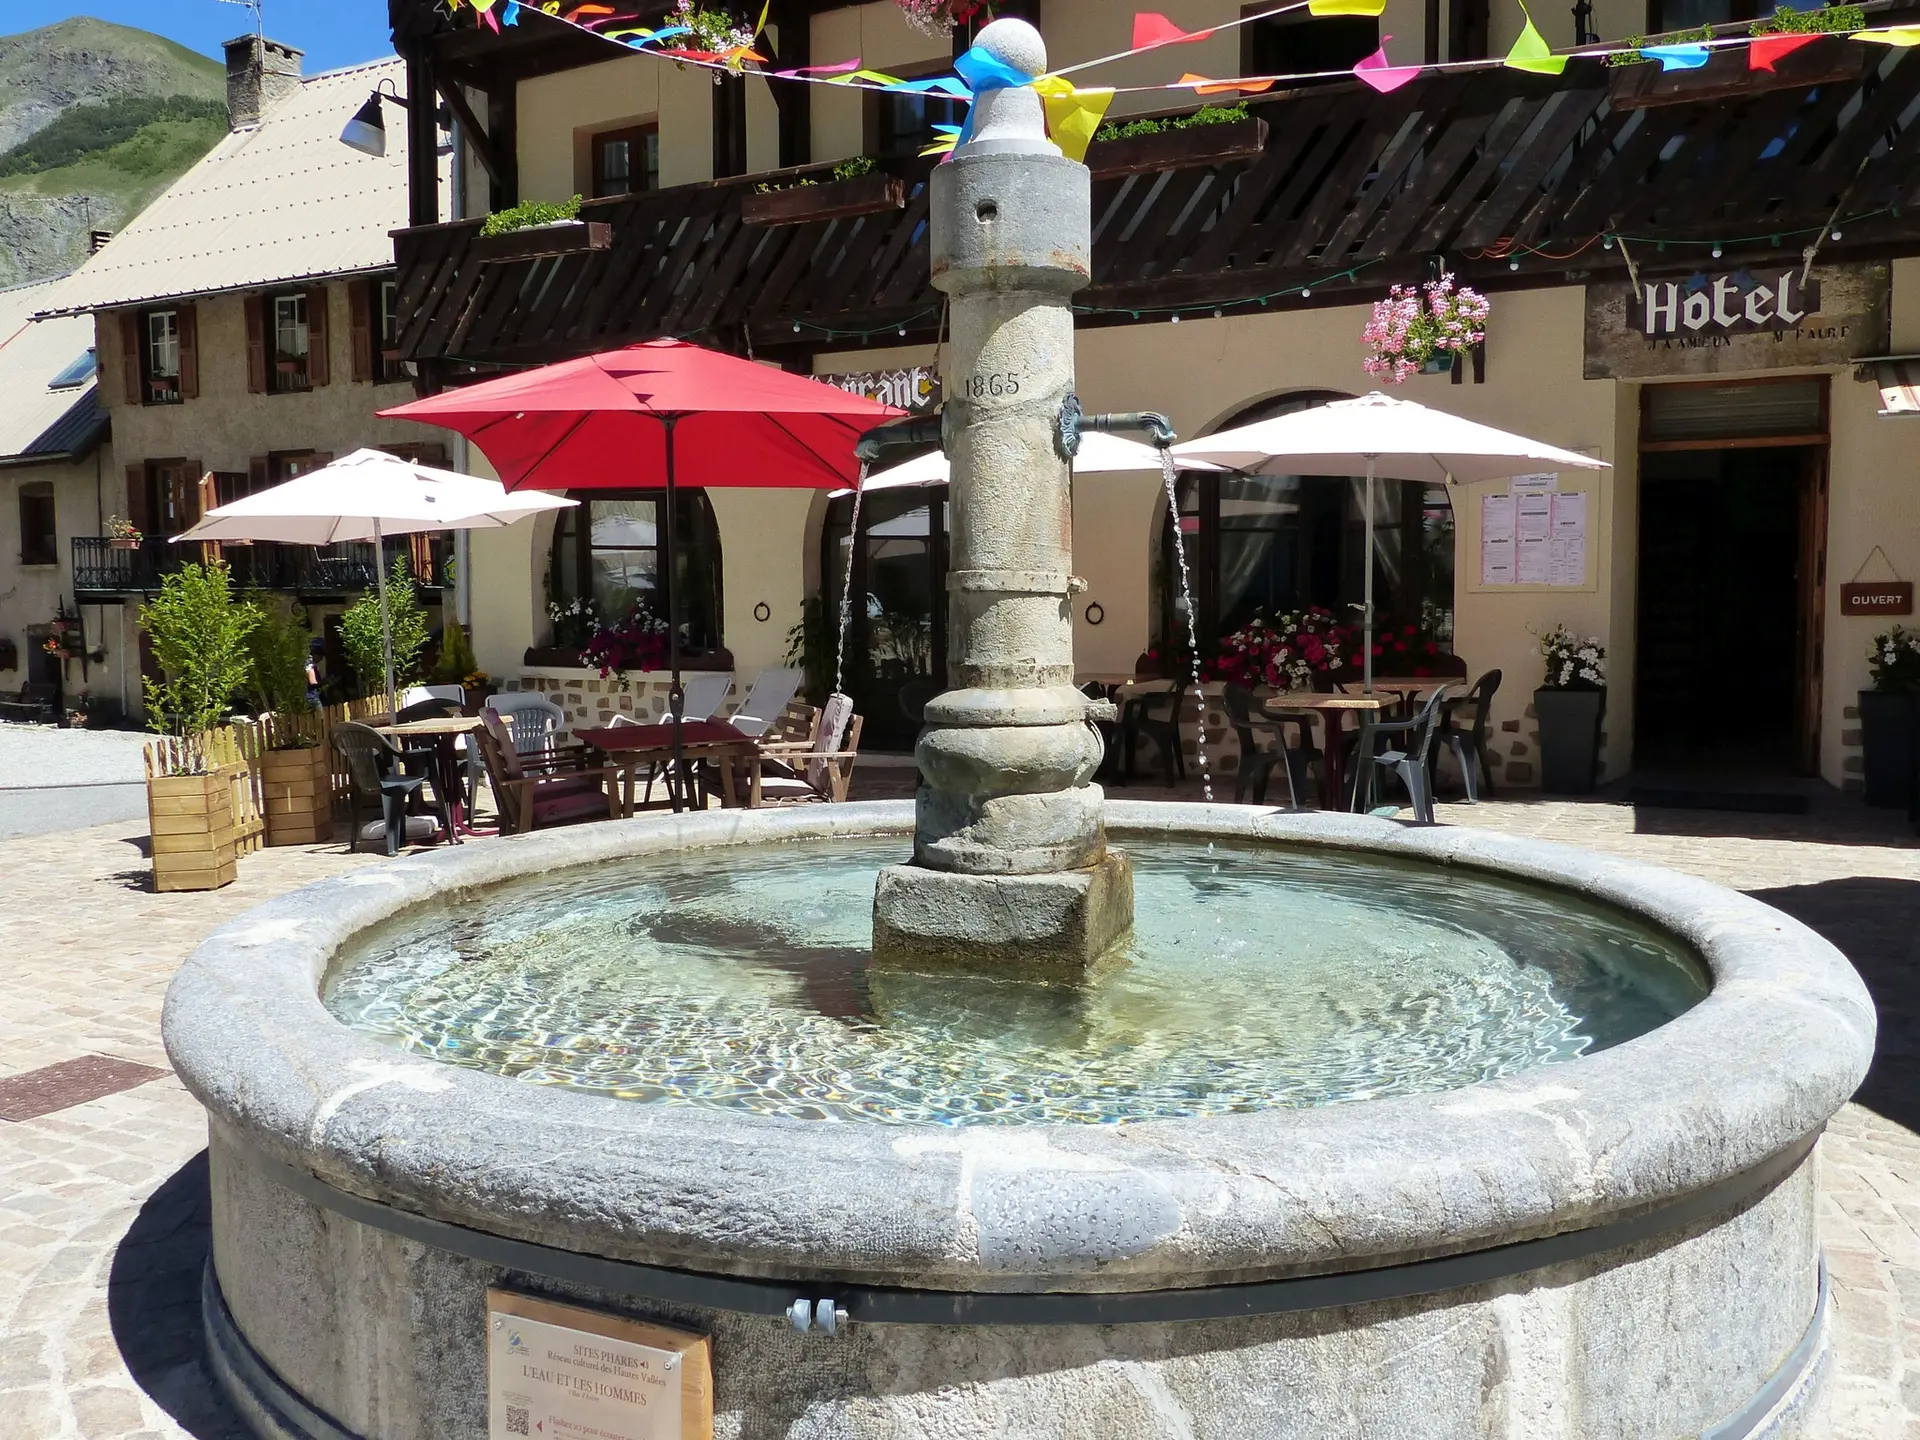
1496, 540
560, 1372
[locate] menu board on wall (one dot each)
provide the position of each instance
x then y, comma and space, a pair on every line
1533, 534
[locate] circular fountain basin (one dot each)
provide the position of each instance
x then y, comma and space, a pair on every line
1376, 1131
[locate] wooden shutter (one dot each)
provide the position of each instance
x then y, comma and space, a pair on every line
256, 345
189, 325
360, 322
259, 474
139, 510
318, 369
130, 339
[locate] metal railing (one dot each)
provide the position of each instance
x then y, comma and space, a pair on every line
102, 566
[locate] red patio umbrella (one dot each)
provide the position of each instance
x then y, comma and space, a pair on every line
660, 413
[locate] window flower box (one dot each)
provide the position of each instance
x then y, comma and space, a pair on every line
1184, 149
870, 194
542, 242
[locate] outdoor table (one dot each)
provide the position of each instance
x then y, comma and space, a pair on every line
1331, 711
637, 745
442, 732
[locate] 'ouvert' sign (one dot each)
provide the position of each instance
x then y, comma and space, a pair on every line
1721, 322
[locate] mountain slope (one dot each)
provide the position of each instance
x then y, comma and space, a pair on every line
95, 120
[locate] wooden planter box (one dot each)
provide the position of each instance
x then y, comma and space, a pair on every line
540, 242
297, 795
1177, 149
1830, 60
836, 200
190, 818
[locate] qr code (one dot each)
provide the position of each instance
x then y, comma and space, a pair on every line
517, 1420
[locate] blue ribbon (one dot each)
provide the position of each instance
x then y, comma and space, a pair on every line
986, 71
511, 15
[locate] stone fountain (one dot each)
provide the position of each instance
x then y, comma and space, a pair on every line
1365, 1131
1011, 869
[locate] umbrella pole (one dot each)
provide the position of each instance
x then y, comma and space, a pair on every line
1367, 595
386, 620
676, 695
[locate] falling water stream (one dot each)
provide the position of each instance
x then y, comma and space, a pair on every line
846, 584
1172, 479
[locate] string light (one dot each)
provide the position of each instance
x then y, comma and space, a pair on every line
1716, 249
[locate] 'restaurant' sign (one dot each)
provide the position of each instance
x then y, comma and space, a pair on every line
1719, 322
1878, 597
916, 390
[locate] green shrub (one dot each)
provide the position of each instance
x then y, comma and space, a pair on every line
1160, 124
1827, 20
278, 646
529, 214
199, 631
811, 646
457, 661
407, 619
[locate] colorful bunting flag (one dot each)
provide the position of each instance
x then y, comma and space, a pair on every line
1203, 85
511, 15
1383, 76
1346, 7
1677, 57
845, 67
1151, 30
1903, 36
1072, 115
1532, 53
872, 76
1763, 50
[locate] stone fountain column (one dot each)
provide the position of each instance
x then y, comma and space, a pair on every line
1011, 870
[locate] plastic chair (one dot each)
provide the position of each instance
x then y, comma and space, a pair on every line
375, 767
1156, 715
536, 722
772, 689
705, 692
1469, 742
1257, 761
1409, 764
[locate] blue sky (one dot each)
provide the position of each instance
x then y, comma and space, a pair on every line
332, 32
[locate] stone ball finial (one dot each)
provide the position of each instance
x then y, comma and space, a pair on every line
1017, 43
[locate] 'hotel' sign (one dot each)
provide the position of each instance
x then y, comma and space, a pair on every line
1728, 321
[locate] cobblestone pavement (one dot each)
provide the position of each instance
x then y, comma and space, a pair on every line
103, 1205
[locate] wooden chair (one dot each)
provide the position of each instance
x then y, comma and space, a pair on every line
819, 769
532, 791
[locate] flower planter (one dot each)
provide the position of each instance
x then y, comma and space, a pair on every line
123, 542
1887, 747
1727, 75
190, 819
1177, 149
1438, 364
297, 792
836, 200
539, 242
1569, 739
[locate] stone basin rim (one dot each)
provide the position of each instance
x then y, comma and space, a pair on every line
1779, 1044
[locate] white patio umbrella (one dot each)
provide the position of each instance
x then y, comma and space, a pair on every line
1397, 439
1100, 453
369, 495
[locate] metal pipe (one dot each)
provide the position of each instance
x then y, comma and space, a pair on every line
914, 430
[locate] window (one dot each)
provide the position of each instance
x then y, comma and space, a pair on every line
386, 359
626, 162
607, 549
39, 542
75, 375
285, 465
901, 122
1691, 14
290, 343
1269, 544
160, 359
1301, 44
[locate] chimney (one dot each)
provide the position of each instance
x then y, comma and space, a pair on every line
260, 74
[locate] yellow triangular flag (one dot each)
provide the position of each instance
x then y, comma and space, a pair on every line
1901, 35
1531, 52
1072, 115
1346, 7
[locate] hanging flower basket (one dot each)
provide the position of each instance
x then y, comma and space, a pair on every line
1420, 329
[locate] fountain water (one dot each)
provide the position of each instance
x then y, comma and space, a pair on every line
1366, 1130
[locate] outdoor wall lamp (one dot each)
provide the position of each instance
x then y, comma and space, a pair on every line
367, 130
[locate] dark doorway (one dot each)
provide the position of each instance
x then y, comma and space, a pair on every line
1720, 630
896, 630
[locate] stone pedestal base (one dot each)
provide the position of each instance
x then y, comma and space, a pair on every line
1022, 926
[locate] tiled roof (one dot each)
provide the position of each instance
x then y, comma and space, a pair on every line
35, 419
280, 201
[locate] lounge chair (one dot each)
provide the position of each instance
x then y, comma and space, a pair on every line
772, 689
817, 769
706, 691
535, 791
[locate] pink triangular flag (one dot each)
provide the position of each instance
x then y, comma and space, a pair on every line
1382, 76
1763, 50
1150, 30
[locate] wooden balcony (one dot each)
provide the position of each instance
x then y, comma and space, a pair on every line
1514, 179
106, 570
